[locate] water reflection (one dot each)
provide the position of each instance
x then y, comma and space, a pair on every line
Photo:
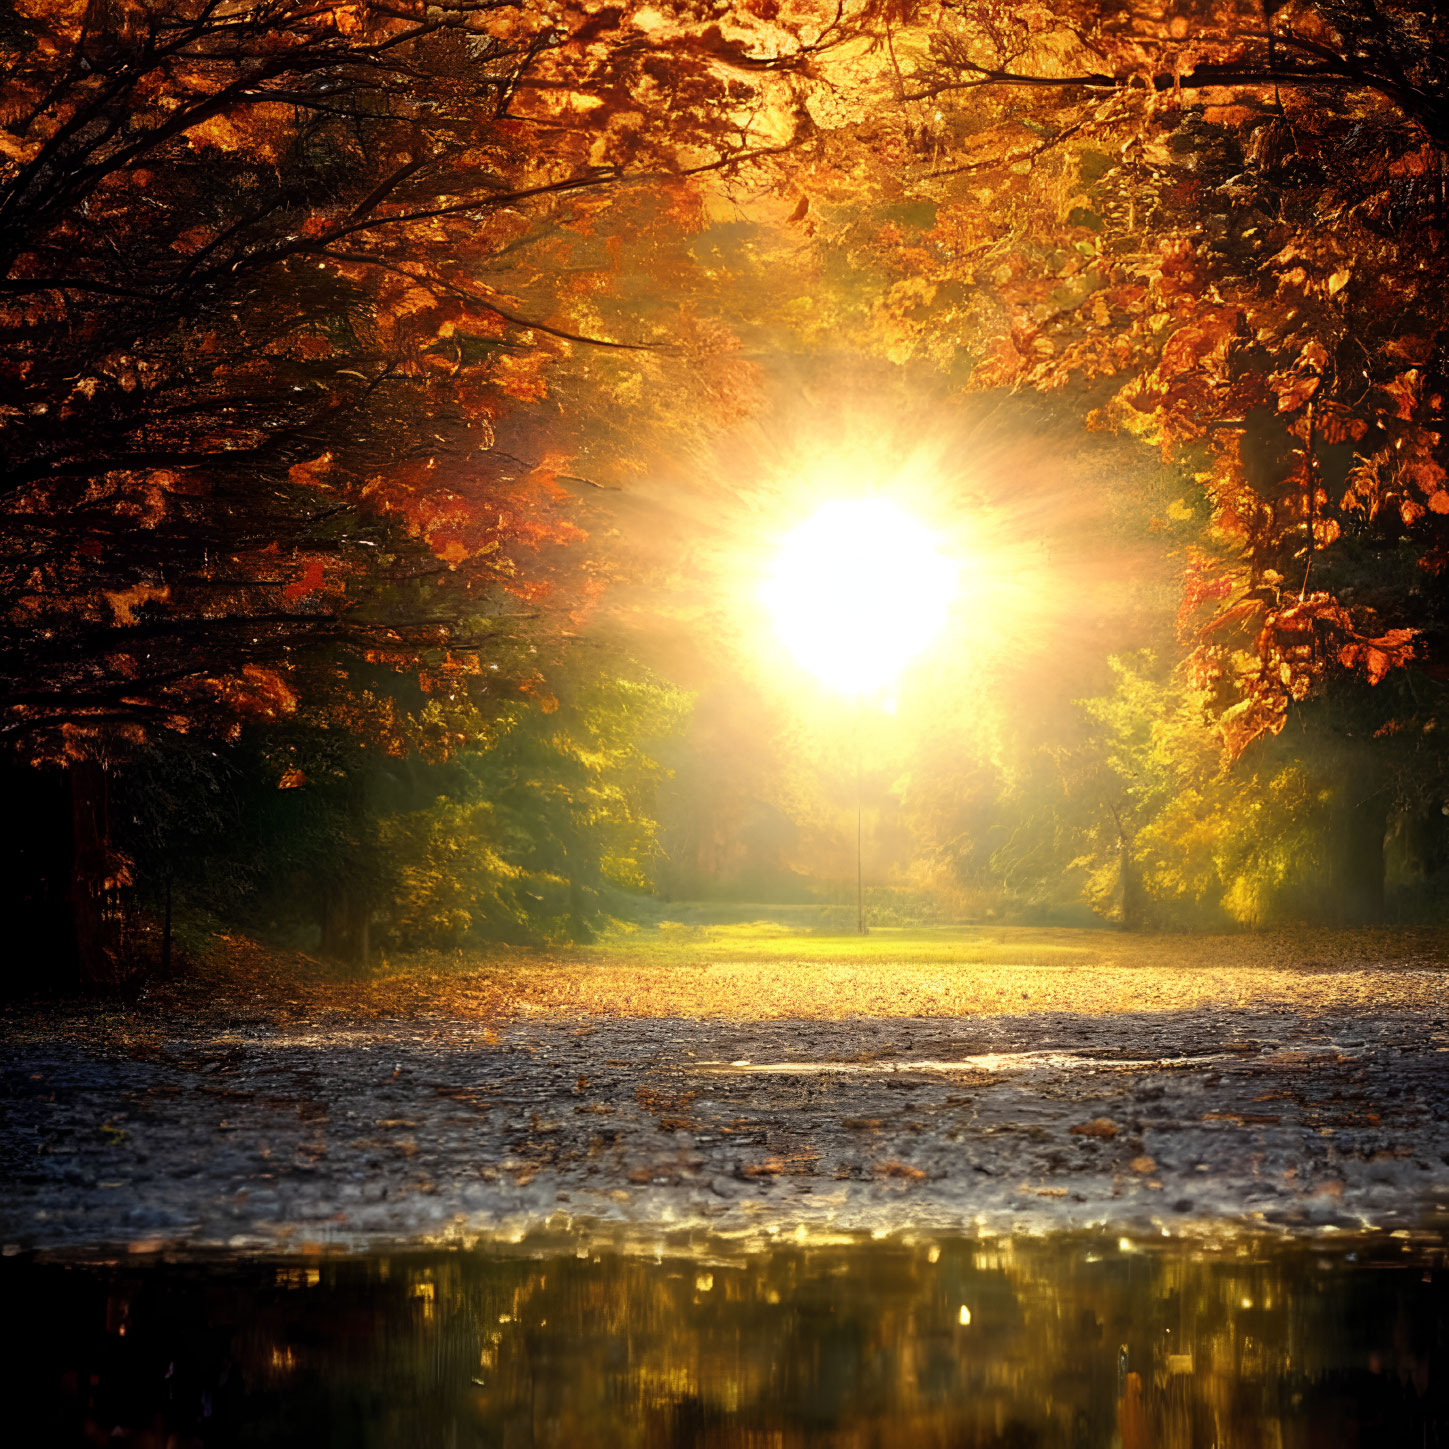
1026, 1342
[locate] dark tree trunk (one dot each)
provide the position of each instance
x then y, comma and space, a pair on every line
90, 863
1356, 863
334, 941
1134, 899
166, 931
35, 880
1425, 833
346, 927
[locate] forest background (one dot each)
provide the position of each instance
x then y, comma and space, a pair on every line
400, 404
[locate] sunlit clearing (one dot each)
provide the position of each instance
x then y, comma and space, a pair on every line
858, 591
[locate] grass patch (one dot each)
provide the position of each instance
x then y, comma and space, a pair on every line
761, 969
685, 944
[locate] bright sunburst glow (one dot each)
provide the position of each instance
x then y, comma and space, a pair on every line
858, 591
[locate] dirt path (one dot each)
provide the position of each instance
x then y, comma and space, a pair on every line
335, 1128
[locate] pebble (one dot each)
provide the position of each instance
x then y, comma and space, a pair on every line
401, 1129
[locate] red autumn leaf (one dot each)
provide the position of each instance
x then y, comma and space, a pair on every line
308, 581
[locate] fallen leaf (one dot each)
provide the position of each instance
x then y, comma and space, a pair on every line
900, 1169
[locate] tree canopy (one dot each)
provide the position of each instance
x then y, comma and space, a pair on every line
330, 331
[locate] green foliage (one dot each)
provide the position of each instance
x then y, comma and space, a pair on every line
1292, 830
525, 834
1150, 739
524, 840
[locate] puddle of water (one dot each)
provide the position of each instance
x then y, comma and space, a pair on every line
1057, 1343
987, 1062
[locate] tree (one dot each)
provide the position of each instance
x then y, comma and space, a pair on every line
529, 830
260, 265
274, 274
1132, 206
1139, 195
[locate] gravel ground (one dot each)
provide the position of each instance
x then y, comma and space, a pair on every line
338, 1130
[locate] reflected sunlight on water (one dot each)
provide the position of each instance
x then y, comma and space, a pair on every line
1075, 1342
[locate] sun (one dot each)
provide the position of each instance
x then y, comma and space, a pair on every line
858, 591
